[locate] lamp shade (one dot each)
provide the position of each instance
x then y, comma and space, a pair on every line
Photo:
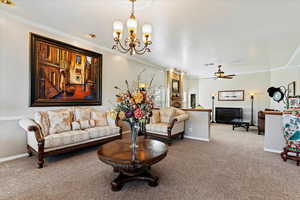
147, 29
118, 29
118, 26
132, 24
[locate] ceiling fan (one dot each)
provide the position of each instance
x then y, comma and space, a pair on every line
221, 75
7, 2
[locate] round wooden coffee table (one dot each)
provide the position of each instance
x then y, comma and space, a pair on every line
132, 165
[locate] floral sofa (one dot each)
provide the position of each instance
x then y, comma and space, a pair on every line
167, 123
58, 131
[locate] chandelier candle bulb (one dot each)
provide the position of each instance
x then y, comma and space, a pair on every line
132, 24
147, 29
118, 29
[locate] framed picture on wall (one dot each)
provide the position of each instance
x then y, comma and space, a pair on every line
64, 75
292, 89
231, 95
175, 86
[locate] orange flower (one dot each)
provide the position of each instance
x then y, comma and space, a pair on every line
138, 97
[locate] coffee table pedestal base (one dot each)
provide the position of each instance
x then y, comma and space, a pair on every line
135, 175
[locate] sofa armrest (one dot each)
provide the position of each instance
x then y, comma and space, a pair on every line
182, 117
30, 126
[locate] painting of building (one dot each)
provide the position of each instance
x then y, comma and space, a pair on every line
63, 74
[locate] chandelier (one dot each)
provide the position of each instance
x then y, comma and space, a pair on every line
131, 44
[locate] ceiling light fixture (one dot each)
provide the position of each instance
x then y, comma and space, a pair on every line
131, 44
7, 2
92, 35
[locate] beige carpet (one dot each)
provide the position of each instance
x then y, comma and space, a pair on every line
232, 166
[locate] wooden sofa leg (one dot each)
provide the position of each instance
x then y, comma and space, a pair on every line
182, 136
40, 160
41, 154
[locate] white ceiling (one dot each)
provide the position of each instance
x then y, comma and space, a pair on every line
244, 35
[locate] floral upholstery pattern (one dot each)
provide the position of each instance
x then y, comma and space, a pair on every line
291, 131
75, 125
155, 117
84, 124
66, 138
82, 114
167, 115
60, 121
41, 118
99, 117
162, 128
98, 132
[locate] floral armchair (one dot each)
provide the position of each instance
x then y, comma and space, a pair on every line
291, 131
167, 123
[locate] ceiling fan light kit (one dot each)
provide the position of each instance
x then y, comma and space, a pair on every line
132, 44
7, 2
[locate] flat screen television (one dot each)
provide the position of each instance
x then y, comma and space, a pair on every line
226, 115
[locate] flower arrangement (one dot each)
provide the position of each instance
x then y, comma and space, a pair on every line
134, 105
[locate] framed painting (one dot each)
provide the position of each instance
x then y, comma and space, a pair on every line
231, 95
64, 75
175, 86
292, 89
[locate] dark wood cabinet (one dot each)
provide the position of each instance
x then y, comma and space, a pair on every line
261, 123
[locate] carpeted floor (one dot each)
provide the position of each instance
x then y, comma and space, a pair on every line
232, 166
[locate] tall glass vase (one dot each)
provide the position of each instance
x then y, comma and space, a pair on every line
133, 134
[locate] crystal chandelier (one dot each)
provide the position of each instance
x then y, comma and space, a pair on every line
132, 44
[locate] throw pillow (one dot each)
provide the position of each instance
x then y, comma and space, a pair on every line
60, 121
75, 126
155, 117
41, 118
167, 114
92, 123
82, 114
99, 117
84, 124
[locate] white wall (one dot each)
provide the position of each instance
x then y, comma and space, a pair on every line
257, 83
283, 77
15, 69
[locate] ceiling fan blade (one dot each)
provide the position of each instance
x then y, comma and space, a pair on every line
227, 77
209, 78
231, 75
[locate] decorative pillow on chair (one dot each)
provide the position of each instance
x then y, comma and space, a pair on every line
41, 118
167, 114
82, 114
60, 121
155, 117
99, 117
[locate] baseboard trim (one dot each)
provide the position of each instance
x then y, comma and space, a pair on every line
196, 138
13, 157
272, 150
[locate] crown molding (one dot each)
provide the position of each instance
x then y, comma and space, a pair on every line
97, 47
